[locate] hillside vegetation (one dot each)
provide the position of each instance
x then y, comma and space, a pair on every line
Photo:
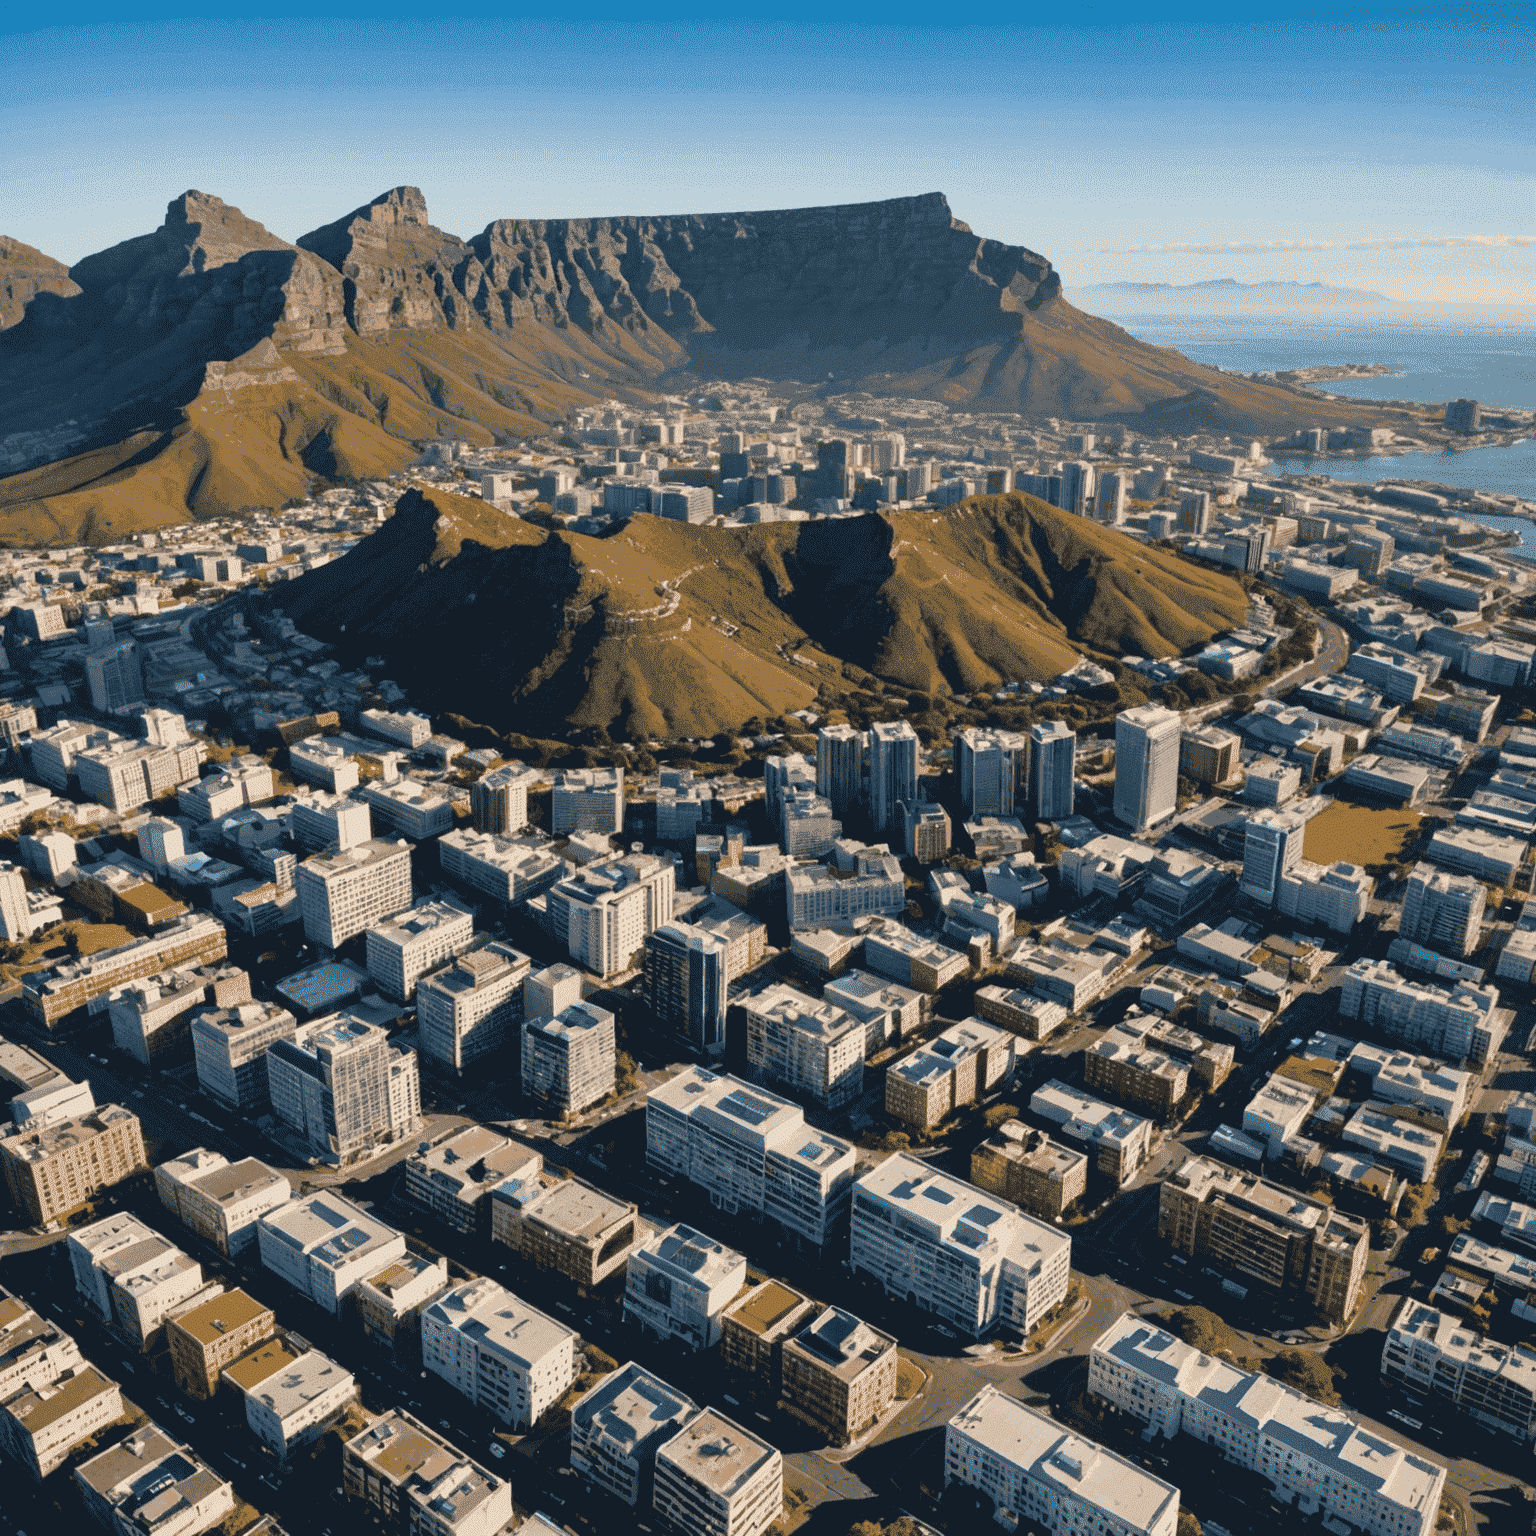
671, 629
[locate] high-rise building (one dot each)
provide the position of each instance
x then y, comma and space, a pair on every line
15, 915
992, 767
1195, 513
1076, 486
346, 891
892, 771
116, 678
887, 452
344, 1087
1443, 911
1053, 1479
604, 912
569, 1060
587, 800
503, 1355
808, 1045
500, 799
1209, 755
1271, 849
471, 1009
970, 1258
840, 767
1109, 498
1146, 765
685, 983
834, 470
160, 842
229, 1046
1052, 770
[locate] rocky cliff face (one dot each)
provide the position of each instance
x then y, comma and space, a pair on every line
25, 273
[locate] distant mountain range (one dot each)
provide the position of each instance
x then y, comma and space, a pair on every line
1225, 295
210, 366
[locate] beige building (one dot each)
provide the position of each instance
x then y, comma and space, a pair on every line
390, 1304
292, 1395
453, 1179
33, 1349
345, 891
219, 1200
753, 1330
415, 1483
53, 1170
1029, 1170
808, 1046
1021, 1012
714, 1478
1122, 1068
951, 1070
839, 1375
564, 1224
209, 1337
42, 1425
1260, 1234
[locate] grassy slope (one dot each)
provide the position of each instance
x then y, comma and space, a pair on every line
672, 629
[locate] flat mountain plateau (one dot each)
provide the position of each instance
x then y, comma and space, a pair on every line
209, 366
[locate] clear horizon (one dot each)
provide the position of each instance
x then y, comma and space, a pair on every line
1386, 148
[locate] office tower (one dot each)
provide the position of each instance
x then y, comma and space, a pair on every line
15, 915
500, 798
892, 771
992, 767
1463, 415
472, 1008
1052, 770
1443, 911
1271, 849
1195, 512
229, 1046
685, 983
1076, 487
569, 1061
834, 469
999, 482
887, 453
925, 831
1146, 765
1370, 551
346, 891
343, 1087
604, 911
918, 481
587, 800
503, 1355
1209, 755
547, 991
116, 678
1109, 499
840, 767
812, 1047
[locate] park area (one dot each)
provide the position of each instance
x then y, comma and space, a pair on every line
1370, 836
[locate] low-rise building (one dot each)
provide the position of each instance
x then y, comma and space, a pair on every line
324, 1246
976, 1261
887, 1011
390, 1303
678, 1284
41, 1425
453, 1178
1437, 1356
1315, 1457
149, 1485
1046, 1478
564, 1225
214, 1334
913, 961
1473, 851
415, 1483
219, 1200
813, 1048
408, 807
507, 869
838, 1375
954, 1069
714, 1478
1376, 1129
1122, 1067
1029, 1170
619, 1425
1118, 1141
1023, 1013
292, 1395
754, 1328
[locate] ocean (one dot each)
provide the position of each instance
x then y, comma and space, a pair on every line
1436, 361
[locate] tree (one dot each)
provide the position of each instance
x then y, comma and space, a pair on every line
1305, 1371
1188, 1525
1205, 1331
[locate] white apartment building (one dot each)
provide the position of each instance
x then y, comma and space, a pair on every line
1147, 743
472, 1008
815, 896
953, 1250
149, 1485
130, 1275
619, 1425
1317, 1457
605, 911
714, 1478
324, 1246
679, 1283
750, 1150
291, 1395
408, 807
509, 869
1473, 851
811, 1047
1455, 1023
220, 1201
1334, 896
1443, 911
1400, 1078
345, 892
992, 766
503, 1355
42, 1424
892, 771
1046, 1478
888, 1012
402, 949
499, 799
403, 729
587, 800
1118, 1141
325, 762
570, 1058
330, 821
229, 1046
1441, 1357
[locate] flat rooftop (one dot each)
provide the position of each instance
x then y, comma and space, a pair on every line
578, 1210
716, 1453
210, 1322
256, 1365
766, 1306
630, 1408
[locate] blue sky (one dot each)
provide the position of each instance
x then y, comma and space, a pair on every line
1371, 146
